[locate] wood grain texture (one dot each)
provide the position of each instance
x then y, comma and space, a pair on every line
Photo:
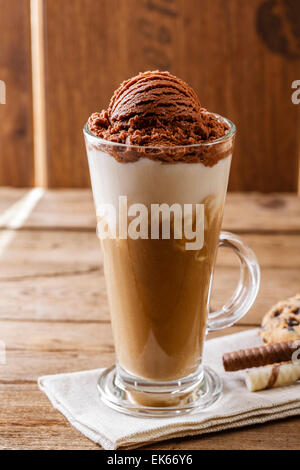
81, 76
54, 315
221, 48
81, 298
32, 423
58, 276
74, 210
8, 197
237, 75
16, 149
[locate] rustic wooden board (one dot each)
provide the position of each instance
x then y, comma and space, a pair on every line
76, 298
69, 284
16, 149
25, 366
81, 298
33, 423
67, 336
54, 315
272, 250
237, 75
242, 69
74, 210
90, 68
8, 197
64, 208
46, 253
57, 336
27, 253
26, 361
262, 213
248, 438
29, 421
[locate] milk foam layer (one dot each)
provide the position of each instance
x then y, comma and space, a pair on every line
149, 182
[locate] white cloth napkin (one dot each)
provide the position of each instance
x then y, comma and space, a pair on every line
76, 396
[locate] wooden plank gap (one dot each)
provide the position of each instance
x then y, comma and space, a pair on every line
39, 93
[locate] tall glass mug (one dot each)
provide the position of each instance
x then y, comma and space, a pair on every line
159, 225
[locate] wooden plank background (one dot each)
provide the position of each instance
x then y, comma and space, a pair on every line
16, 153
241, 57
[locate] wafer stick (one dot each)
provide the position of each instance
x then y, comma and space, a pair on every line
276, 375
255, 357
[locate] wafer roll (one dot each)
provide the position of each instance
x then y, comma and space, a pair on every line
255, 357
272, 376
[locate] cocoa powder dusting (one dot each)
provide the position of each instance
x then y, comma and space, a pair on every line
155, 110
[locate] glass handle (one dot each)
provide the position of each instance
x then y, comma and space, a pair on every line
246, 290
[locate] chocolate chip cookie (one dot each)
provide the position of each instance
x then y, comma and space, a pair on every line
282, 322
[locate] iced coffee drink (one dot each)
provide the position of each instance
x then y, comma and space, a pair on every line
157, 146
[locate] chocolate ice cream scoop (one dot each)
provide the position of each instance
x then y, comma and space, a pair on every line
154, 95
156, 109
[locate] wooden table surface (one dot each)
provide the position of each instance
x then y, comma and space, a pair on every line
54, 315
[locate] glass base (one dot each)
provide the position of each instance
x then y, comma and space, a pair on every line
149, 399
